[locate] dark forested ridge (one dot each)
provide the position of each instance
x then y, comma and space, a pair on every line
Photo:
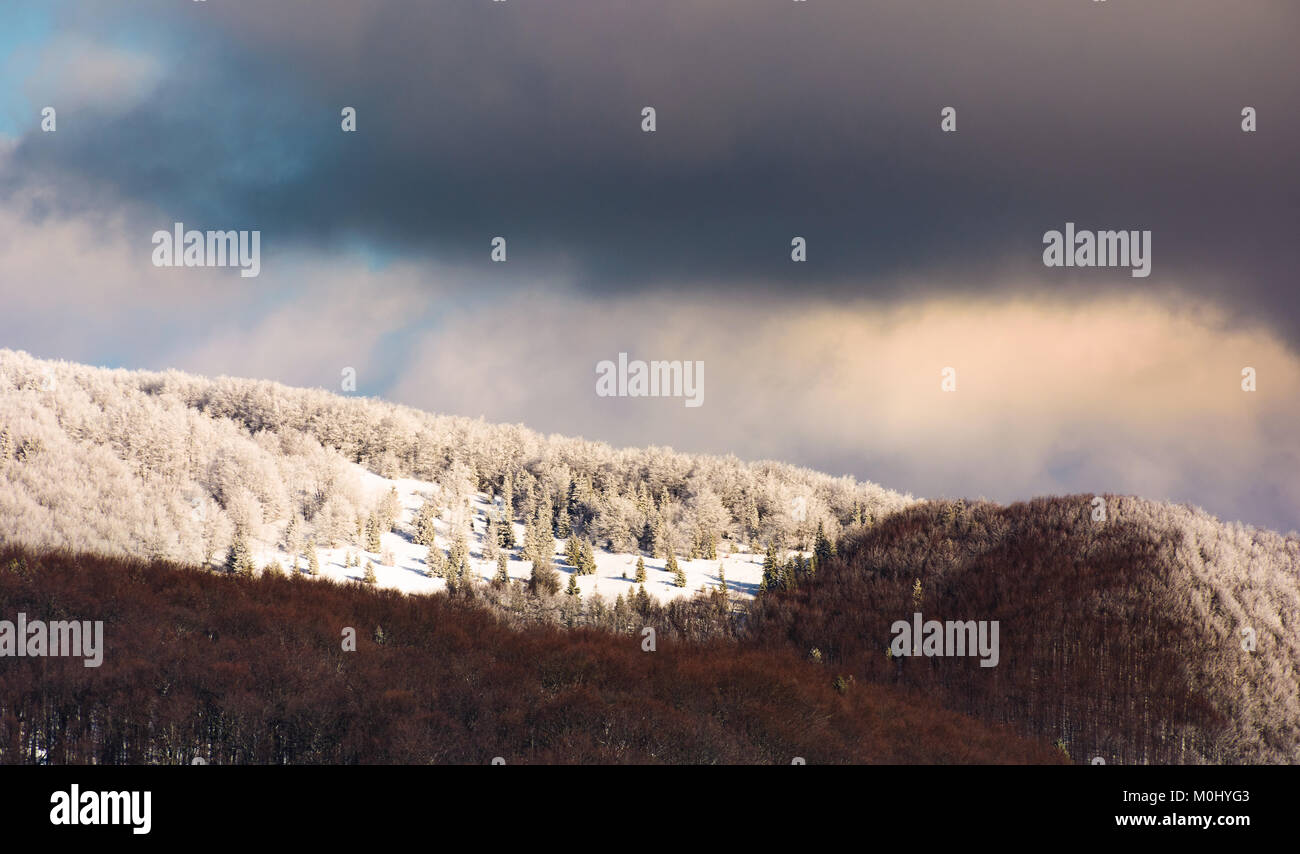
252, 670
1123, 638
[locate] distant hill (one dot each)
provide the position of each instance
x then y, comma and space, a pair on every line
1125, 639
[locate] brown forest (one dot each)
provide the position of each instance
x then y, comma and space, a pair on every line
252, 670
1122, 639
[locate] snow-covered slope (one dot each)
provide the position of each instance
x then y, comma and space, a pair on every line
615, 573
191, 469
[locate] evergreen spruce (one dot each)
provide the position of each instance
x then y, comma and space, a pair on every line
313, 562
491, 540
646, 541
238, 559
573, 552
370, 574
562, 527
640, 570
292, 535
436, 561
679, 576
389, 510
771, 570
458, 554
373, 542
662, 548
425, 530
823, 547
508, 513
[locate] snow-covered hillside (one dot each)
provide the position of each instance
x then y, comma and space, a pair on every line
210, 472
615, 573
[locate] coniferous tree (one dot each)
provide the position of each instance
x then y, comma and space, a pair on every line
622, 613
679, 576
545, 539
640, 570
425, 529
539, 545
722, 577
573, 552
491, 540
503, 571
662, 547
292, 535
530, 550
587, 557
823, 547
562, 527
772, 574
544, 578
369, 577
389, 510
373, 542
313, 562
238, 559
508, 513
458, 554
796, 570
646, 541
435, 562
573, 504
573, 585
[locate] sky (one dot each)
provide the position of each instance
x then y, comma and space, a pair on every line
774, 120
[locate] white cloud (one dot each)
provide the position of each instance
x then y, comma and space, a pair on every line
72, 72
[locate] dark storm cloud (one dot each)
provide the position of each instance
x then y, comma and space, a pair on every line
774, 119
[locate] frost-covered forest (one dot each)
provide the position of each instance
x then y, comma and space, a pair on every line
171, 465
